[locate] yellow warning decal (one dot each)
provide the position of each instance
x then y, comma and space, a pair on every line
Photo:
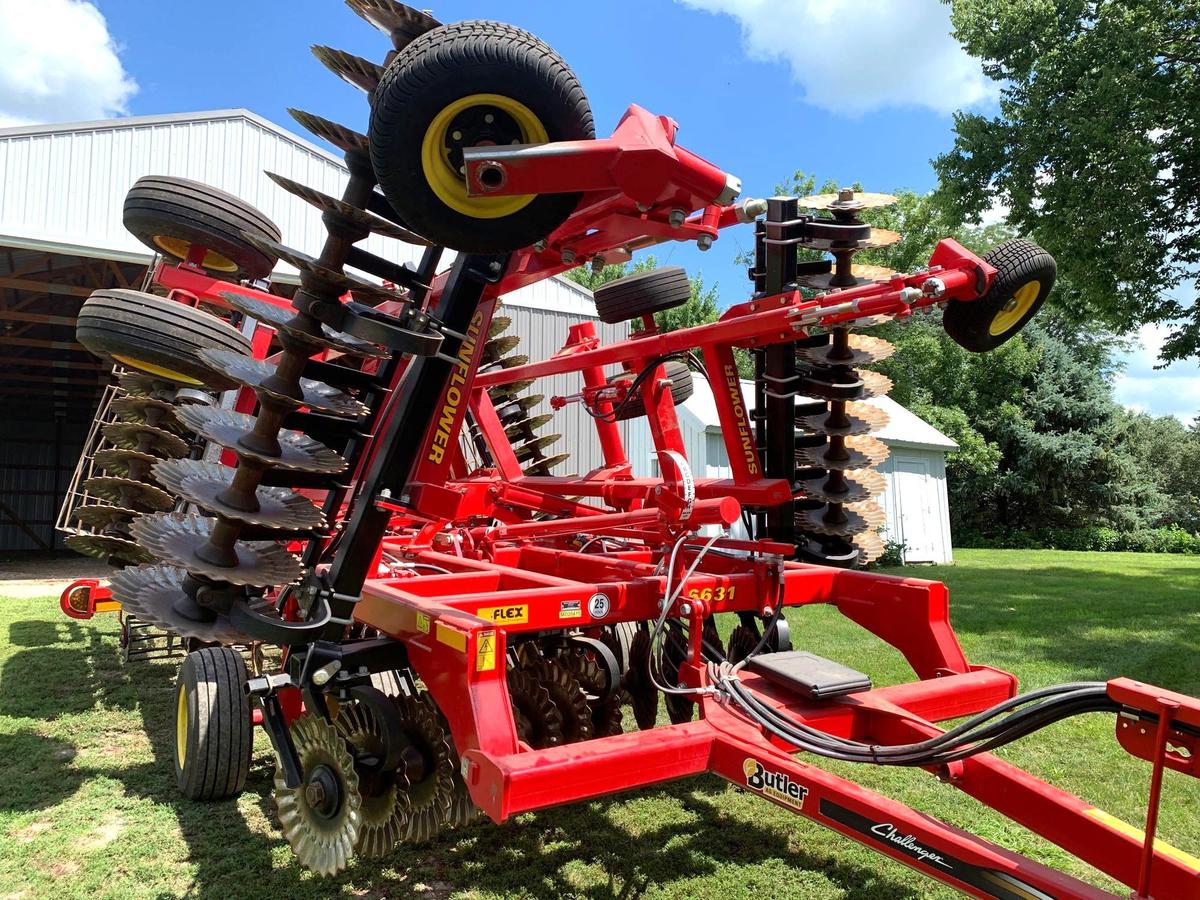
1159, 846
485, 651
505, 615
423, 623
452, 638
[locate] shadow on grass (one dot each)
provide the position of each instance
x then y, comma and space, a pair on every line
1096, 624
532, 856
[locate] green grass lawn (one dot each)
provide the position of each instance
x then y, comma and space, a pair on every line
88, 805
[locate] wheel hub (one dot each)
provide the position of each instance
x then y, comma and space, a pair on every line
322, 792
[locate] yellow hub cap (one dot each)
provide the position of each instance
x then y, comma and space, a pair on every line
444, 177
151, 369
181, 726
1015, 309
179, 248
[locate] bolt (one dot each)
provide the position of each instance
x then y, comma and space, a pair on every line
845, 194
568, 256
314, 793
704, 242
676, 217
457, 135
386, 493
767, 612
539, 246
685, 609
597, 263
489, 118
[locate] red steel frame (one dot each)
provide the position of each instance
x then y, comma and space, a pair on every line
520, 576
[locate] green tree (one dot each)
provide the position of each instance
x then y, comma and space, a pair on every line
1095, 150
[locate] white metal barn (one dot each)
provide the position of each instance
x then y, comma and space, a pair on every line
61, 237
916, 501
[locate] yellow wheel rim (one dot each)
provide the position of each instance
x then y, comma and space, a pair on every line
151, 369
179, 248
448, 183
1014, 310
181, 726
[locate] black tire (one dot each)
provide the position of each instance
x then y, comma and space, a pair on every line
161, 211
681, 388
445, 66
155, 335
642, 294
984, 324
217, 733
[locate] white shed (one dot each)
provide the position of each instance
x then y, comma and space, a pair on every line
916, 500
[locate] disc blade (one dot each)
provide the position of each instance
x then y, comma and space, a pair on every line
345, 139
283, 319
399, 22
352, 214
297, 451
256, 375
354, 70
175, 537
207, 484
882, 237
847, 200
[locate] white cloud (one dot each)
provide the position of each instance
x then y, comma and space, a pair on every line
1174, 391
855, 56
58, 63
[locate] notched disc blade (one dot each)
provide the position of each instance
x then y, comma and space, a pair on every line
856, 485
142, 385
352, 214
129, 493
399, 22
497, 347
177, 536
255, 374
145, 439
283, 319
335, 282
863, 350
863, 452
870, 546
528, 425
298, 451
114, 461
882, 237
875, 384
204, 484
499, 325
841, 519
859, 418
859, 200
345, 139
527, 449
146, 411
354, 70
101, 517
543, 466
151, 593
109, 548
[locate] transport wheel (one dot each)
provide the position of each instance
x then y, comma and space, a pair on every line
1025, 274
155, 335
169, 215
641, 294
681, 389
464, 85
213, 729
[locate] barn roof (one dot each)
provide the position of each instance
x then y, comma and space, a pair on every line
904, 428
62, 186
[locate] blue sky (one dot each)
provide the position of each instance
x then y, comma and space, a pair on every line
854, 90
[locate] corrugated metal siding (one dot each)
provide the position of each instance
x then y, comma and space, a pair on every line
542, 333
33, 478
69, 186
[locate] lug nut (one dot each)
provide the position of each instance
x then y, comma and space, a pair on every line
704, 242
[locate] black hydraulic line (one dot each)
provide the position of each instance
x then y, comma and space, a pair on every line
1071, 700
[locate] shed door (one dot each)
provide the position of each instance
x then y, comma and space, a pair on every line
915, 505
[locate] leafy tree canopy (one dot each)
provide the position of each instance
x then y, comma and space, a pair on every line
1096, 150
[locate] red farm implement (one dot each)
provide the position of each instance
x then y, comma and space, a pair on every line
464, 629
